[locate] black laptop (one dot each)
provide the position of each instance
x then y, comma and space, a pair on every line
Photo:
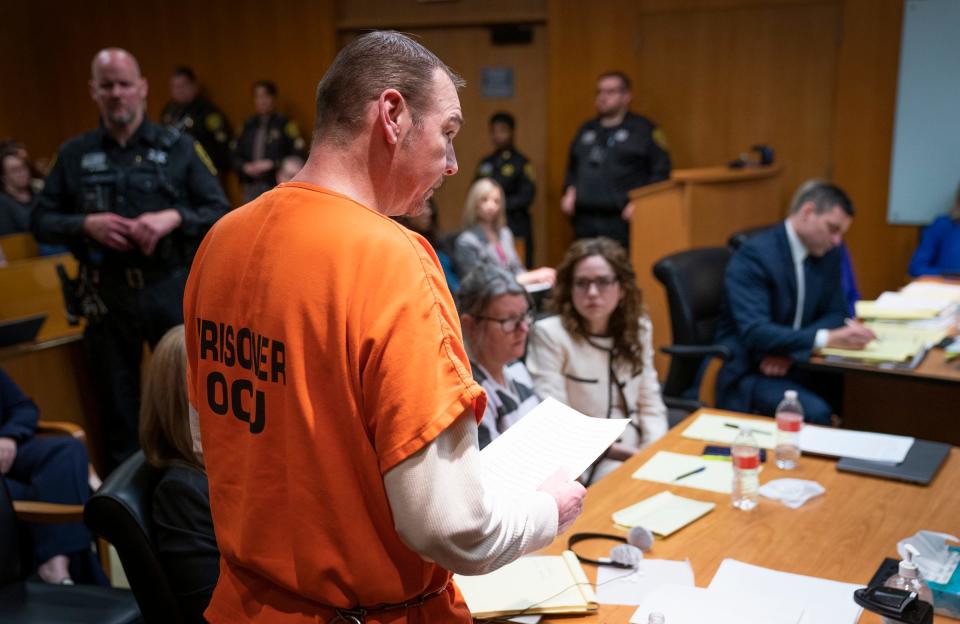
919, 466
18, 330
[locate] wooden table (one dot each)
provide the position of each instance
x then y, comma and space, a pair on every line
842, 535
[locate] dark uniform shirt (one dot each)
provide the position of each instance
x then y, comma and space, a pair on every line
606, 163
207, 123
14, 215
514, 173
158, 168
282, 139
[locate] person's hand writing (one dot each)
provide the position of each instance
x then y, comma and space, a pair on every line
851, 336
150, 227
8, 453
775, 365
569, 496
109, 229
568, 200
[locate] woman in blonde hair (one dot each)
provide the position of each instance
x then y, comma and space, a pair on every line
181, 501
486, 239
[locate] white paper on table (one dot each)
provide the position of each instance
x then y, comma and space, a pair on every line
694, 605
665, 467
881, 447
551, 436
932, 290
663, 513
824, 601
616, 586
526, 619
714, 428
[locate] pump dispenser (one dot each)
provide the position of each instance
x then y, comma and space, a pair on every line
908, 578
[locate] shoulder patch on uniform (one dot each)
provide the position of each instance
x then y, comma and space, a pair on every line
213, 122
485, 170
528, 171
292, 130
660, 138
204, 157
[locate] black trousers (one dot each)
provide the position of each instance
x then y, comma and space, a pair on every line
594, 224
114, 346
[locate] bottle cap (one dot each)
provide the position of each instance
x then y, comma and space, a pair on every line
790, 394
909, 569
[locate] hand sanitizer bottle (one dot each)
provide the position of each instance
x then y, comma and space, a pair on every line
908, 578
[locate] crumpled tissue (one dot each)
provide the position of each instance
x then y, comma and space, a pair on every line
791, 492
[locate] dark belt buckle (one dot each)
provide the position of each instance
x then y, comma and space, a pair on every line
134, 278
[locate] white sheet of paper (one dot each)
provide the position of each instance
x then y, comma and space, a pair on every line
526, 619
715, 428
550, 437
616, 586
665, 467
859, 444
824, 601
694, 605
662, 513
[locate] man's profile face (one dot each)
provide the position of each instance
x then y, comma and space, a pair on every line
612, 96
822, 232
427, 153
118, 90
501, 135
182, 89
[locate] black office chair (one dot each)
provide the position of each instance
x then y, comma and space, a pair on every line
120, 512
36, 601
737, 239
694, 283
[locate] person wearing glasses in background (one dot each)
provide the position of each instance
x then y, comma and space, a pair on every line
496, 316
596, 353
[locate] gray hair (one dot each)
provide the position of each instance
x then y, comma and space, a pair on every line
370, 64
824, 195
484, 284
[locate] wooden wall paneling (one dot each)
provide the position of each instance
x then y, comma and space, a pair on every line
865, 105
361, 14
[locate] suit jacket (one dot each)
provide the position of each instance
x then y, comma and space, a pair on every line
758, 308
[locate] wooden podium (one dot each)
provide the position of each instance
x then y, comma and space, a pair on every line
694, 208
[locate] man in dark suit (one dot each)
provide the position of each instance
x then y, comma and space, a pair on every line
783, 299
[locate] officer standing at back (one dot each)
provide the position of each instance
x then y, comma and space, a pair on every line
132, 200
190, 111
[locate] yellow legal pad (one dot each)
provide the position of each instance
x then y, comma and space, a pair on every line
530, 585
894, 343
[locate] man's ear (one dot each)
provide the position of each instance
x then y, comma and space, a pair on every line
392, 110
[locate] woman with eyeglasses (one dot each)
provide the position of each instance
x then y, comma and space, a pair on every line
596, 353
496, 316
486, 239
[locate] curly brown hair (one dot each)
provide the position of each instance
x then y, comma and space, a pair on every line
625, 321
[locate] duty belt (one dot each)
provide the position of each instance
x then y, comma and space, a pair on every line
134, 278
357, 615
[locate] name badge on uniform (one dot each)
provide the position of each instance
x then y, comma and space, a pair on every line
157, 156
621, 135
94, 161
588, 137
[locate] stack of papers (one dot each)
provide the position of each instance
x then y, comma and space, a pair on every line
813, 439
919, 300
695, 605
551, 437
664, 513
615, 586
667, 467
894, 343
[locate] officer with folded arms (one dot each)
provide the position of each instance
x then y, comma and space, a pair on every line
132, 200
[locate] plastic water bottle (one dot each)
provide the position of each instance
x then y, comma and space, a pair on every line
908, 578
789, 422
656, 618
745, 456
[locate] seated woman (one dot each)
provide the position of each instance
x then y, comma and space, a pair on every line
181, 501
487, 239
49, 469
425, 224
596, 354
496, 317
939, 250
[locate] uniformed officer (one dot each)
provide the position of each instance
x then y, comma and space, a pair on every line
514, 173
191, 111
132, 200
612, 154
267, 138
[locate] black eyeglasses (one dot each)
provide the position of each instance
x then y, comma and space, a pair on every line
511, 323
583, 284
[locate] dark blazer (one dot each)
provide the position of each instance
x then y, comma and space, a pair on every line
185, 540
759, 303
